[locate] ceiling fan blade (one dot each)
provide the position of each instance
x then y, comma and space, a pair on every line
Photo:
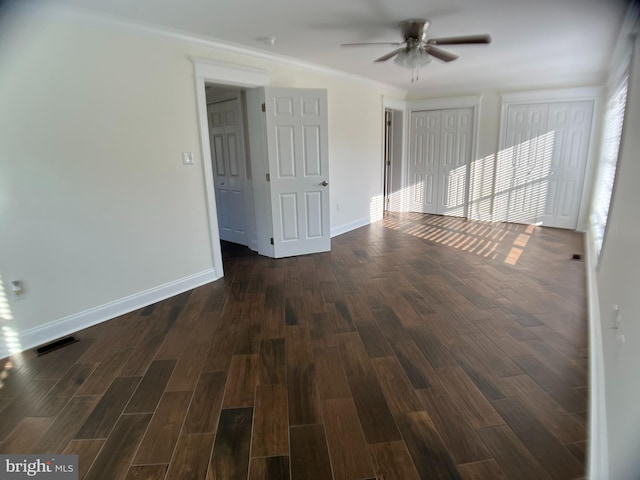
389, 55
441, 54
370, 43
461, 40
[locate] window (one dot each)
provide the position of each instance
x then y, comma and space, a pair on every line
606, 172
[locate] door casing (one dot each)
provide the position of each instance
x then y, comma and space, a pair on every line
222, 73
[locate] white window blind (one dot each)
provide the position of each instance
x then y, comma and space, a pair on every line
606, 172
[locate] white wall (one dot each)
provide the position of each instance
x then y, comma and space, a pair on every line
95, 204
618, 282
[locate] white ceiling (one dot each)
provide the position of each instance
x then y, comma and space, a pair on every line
536, 43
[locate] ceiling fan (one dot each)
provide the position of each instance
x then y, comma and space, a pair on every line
417, 48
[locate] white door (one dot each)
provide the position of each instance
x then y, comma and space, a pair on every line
297, 144
440, 153
227, 152
424, 159
547, 148
570, 124
530, 147
455, 153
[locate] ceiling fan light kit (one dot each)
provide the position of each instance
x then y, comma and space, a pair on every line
412, 57
417, 49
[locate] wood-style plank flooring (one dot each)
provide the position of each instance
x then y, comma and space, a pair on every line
420, 347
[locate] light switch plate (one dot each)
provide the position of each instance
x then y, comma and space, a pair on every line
188, 158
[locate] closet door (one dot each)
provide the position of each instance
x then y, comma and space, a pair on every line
424, 161
529, 149
455, 154
571, 126
544, 157
440, 153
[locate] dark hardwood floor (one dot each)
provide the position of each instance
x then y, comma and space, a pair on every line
420, 347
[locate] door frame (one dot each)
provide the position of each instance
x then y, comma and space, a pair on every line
395, 105
558, 96
446, 103
212, 71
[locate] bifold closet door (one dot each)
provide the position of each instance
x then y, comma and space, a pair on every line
545, 157
440, 152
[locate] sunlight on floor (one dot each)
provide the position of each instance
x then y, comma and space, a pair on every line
497, 241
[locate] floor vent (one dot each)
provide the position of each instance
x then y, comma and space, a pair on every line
50, 347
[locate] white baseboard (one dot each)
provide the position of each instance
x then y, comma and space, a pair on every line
78, 321
347, 227
598, 454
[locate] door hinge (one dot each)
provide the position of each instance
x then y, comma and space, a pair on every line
389, 123
268, 177
264, 107
271, 240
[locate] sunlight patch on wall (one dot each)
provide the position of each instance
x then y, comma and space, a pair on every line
481, 188
523, 173
8, 336
376, 208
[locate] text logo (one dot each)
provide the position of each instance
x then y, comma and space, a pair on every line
49, 467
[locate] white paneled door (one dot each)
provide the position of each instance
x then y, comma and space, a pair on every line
297, 144
440, 153
545, 157
227, 156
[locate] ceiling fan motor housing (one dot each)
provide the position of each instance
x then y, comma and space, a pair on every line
415, 29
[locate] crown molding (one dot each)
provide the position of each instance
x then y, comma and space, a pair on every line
207, 42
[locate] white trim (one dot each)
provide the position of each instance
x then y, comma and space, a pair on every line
229, 73
598, 454
347, 227
555, 95
206, 70
210, 193
393, 103
444, 103
399, 106
390, 103
79, 321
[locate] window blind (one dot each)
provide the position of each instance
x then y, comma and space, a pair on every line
609, 153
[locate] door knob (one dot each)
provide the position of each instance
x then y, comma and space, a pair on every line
324, 183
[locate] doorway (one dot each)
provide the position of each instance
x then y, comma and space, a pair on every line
392, 161
293, 166
208, 71
231, 169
